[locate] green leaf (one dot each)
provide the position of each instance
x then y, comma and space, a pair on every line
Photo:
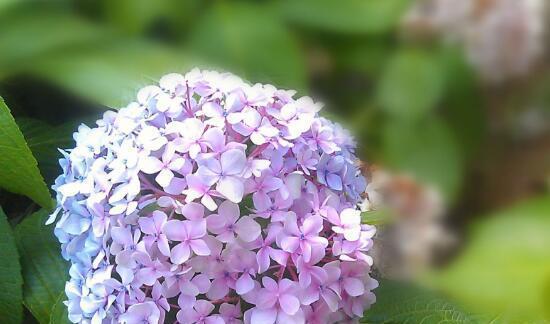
412, 85
18, 168
60, 313
112, 74
11, 292
427, 150
375, 217
44, 270
505, 269
134, 16
405, 303
249, 41
346, 16
44, 140
29, 34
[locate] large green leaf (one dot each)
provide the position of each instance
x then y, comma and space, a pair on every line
398, 302
505, 269
44, 270
111, 75
59, 313
251, 42
427, 150
134, 16
28, 34
11, 295
346, 16
44, 140
412, 84
18, 170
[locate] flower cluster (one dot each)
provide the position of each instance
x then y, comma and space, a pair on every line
503, 39
209, 200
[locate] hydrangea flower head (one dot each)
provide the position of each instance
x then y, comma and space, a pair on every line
210, 200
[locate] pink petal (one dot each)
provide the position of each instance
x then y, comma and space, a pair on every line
196, 229
312, 225
309, 295
151, 165
331, 299
231, 188
233, 161
214, 319
354, 286
248, 229
180, 253
163, 245
175, 230
215, 139
208, 202
262, 257
230, 211
216, 223
244, 284
193, 211
261, 201
121, 235
290, 244
164, 177
147, 225
289, 304
257, 138
218, 289
202, 283
199, 247
263, 316
203, 307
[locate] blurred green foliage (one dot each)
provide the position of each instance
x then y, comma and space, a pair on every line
505, 268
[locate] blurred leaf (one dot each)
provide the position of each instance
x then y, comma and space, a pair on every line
133, 16
111, 75
18, 168
462, 105
6, 4
425, 149
28, 34
369, 56
398, 302
346, 16
44, 271
411, 85
375, 217
60, 313
250, 42
44, 140
11, 295
505, 269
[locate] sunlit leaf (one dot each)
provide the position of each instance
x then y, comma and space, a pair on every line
44, 270
133, 16
398, 302
11, 295
18, 168
505, 268
251, 42
28, 34
375, 217
412, 85
427, 150
111, 75
346, 16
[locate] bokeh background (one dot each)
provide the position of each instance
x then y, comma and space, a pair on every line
449, 101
